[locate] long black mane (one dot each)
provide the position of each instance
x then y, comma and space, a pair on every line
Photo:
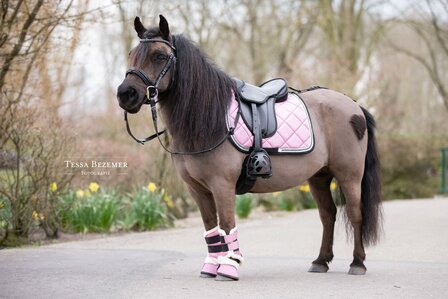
196, 104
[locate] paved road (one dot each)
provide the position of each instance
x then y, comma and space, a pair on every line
411, 261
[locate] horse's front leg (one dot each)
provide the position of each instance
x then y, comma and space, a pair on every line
231, 258
207, 207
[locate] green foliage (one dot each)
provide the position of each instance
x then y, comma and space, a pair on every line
104, 211
146, 211
5, 215
287, 203
92, 213
306, 200
409, 166
295, 199
244, 204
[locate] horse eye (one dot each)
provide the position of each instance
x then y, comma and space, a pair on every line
158, 57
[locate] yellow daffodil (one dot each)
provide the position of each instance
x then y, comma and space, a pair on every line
35, 215
93, 187
88, 193
169, 202
304, 188
2, 204
79, 193
152, 187
333, 185
54, 187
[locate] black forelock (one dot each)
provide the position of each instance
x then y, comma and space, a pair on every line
152, 32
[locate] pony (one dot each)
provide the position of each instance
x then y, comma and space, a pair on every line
193, 95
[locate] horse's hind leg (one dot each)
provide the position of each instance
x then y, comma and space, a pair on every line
320, 189
352, 193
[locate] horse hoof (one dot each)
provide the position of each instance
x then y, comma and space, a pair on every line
207, 275
317, 268
225, 278
355, 270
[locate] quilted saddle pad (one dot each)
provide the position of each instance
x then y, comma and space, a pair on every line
294, 133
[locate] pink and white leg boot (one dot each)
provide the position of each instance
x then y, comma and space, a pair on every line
231, 258
213, 240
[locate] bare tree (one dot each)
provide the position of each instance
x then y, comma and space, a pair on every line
350, 38
32, 81
270, 35
431, 27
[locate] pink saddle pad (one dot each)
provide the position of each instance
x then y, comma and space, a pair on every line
294, 133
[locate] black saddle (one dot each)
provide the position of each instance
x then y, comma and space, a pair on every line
275, 88
257, 108
264, 97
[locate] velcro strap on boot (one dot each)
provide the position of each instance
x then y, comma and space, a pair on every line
224, 260
231, 258
218, 248
213, 239
211, 260
231, 245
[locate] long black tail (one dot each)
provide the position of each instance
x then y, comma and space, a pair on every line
371, 188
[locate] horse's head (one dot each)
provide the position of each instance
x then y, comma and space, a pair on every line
151, 64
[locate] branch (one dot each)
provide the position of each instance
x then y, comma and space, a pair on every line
437, 29
433, 74
18, 46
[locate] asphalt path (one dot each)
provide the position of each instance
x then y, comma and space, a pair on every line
410, 262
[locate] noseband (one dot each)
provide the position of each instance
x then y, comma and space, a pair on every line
152, 90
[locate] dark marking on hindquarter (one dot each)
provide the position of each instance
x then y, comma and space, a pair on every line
359, 126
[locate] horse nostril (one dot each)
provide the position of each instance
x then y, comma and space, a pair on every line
127, 93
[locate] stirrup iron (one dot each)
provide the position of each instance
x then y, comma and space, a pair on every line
259, 164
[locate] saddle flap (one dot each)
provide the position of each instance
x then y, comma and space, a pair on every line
294, 134
266, 115
275, 88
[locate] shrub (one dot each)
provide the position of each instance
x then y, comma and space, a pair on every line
5, 215
32, 148
287, 203
306, 200
84, 212
147, 211
409, 165
244, 205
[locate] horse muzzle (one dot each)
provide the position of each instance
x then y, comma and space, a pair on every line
129, 98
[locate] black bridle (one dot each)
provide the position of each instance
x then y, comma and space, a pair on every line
152, 91
152, 94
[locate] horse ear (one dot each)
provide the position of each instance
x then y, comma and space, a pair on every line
139, 28
164, 27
